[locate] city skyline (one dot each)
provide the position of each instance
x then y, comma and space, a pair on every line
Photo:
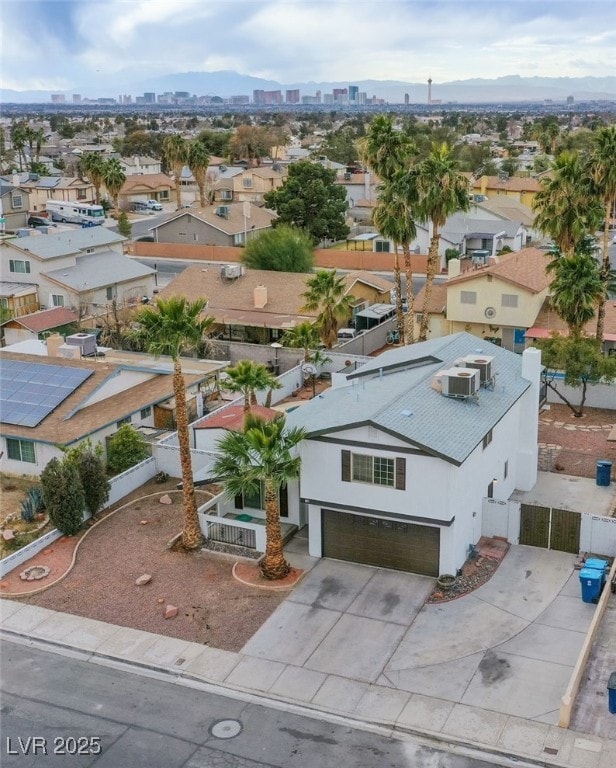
98, 46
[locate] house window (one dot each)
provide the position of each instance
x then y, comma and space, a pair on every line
17, 201
163, 195
21, 267
487, 439
247, 183
509, 300
4, 303
57, 300
506, 470
81, 194
20, 450
468, 297
146, 412
238, 239
122, 422
226, 194
491, 490
381, 246
109, 293
375, 470
257, 500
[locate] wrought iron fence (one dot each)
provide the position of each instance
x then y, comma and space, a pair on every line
231, 534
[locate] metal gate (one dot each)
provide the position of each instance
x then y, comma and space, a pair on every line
550, 528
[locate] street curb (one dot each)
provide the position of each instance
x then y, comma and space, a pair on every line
279, 702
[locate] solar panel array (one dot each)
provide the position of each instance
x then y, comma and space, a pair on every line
30, 391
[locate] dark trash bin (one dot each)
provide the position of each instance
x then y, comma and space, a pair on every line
611, 693
604, 472
592, 582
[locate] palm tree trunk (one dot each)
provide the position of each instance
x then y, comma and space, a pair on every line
273, 564
191, 535
605, 273
177, 174
398, 284
409, 335
430, 274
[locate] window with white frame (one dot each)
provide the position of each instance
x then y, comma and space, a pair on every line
226, 194
247, 182
375, 470
468, 297
122, 422
146, 412
509, 300
17, 200
109, 292
382, 246
20, 450
20, 267
57, 300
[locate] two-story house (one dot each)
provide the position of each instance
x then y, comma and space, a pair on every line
14, 206
83, 268
516, 187
140, 165
43, 188
401, 453
151, 186
250, 184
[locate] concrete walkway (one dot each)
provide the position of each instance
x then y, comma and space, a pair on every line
357, 629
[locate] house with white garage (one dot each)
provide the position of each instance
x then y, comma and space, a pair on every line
401, 452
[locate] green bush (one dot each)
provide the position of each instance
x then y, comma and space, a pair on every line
63, 496
126, 448
33, 504
283, 249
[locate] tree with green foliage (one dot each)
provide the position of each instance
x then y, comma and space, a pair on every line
576, 287
88, 459
582, 362
113, 178
127, 447
280, 249
340, 146
63, 496
247, 378
251, 143
215, 142
198, 161
327, 294
173, 327
263, 454
310, 199
91, 165
303, 336
175, 149
441, 191
125, 228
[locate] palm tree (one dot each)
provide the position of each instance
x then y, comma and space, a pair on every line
327, 293
261, 454
603, 173
18, 141
248, 377
303, 336
565, 208
113, 178
92, 166
576, 287
172, 327
175, 150
442, 190
393, 216
198, 162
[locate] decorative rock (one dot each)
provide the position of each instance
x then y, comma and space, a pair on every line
8, 535
35, 572
166, 499
142, 580
171, 611
47, 551
143, 522
160, 600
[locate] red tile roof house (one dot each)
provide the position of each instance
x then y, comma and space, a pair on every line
244, 516
37, 325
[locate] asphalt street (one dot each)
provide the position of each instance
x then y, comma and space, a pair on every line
61, 711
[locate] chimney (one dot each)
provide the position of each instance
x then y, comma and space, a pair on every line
53, 343
15, 180
484, 184
453, 268
260, 294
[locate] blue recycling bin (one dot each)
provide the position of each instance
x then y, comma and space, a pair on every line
604, 472
611, 693
592, 583
597, 564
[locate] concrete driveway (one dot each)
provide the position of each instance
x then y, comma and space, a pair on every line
508, 647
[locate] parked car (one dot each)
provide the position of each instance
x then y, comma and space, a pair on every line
153, 205
40, 221
139, 207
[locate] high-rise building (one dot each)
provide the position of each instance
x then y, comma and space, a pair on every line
429, 90
406, 99
340, 95
570, 100
76, 98
239, 99
292, 97
58, 98
149, 98
318, 97
353, 94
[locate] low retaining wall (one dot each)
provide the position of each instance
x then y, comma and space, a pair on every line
15, 559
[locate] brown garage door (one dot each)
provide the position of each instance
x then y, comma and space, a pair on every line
384, 543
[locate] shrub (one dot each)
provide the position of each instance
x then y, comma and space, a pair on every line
126, 448
124, 226
33, 504
63, 496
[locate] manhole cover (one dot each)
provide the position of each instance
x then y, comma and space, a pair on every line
226, 729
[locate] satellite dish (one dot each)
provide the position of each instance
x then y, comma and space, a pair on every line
309, 369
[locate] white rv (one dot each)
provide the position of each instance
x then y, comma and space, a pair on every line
75, 213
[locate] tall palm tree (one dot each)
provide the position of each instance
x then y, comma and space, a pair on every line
18, 141
442, 190
603, 173
198, 162
113, 178
303, 336
172, 327
248, 377
262, 454
565, 208
328, 295
393, 216
175, 149
576, 288
389, 153
92, 166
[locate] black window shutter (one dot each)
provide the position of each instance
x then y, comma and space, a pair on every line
401, 474
346, 466
239, 501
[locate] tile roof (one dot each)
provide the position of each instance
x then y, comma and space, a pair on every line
512, 184
55, 244
46, 319
147, 182
548, 320
232, 224
403, 403
232, 417
60, 427
438, 299
461, 225
525, 269
97, 270
509, 208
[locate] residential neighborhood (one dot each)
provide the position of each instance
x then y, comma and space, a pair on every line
365, 471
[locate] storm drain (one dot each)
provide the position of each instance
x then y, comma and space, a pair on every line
226, 729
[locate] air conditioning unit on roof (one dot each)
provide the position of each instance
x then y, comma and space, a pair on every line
231, 271
483, 363
460, 382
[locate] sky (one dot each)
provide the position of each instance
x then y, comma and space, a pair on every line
62, 45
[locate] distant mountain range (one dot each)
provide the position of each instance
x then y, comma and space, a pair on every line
511, 88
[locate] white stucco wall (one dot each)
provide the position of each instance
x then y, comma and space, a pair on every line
43, 452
